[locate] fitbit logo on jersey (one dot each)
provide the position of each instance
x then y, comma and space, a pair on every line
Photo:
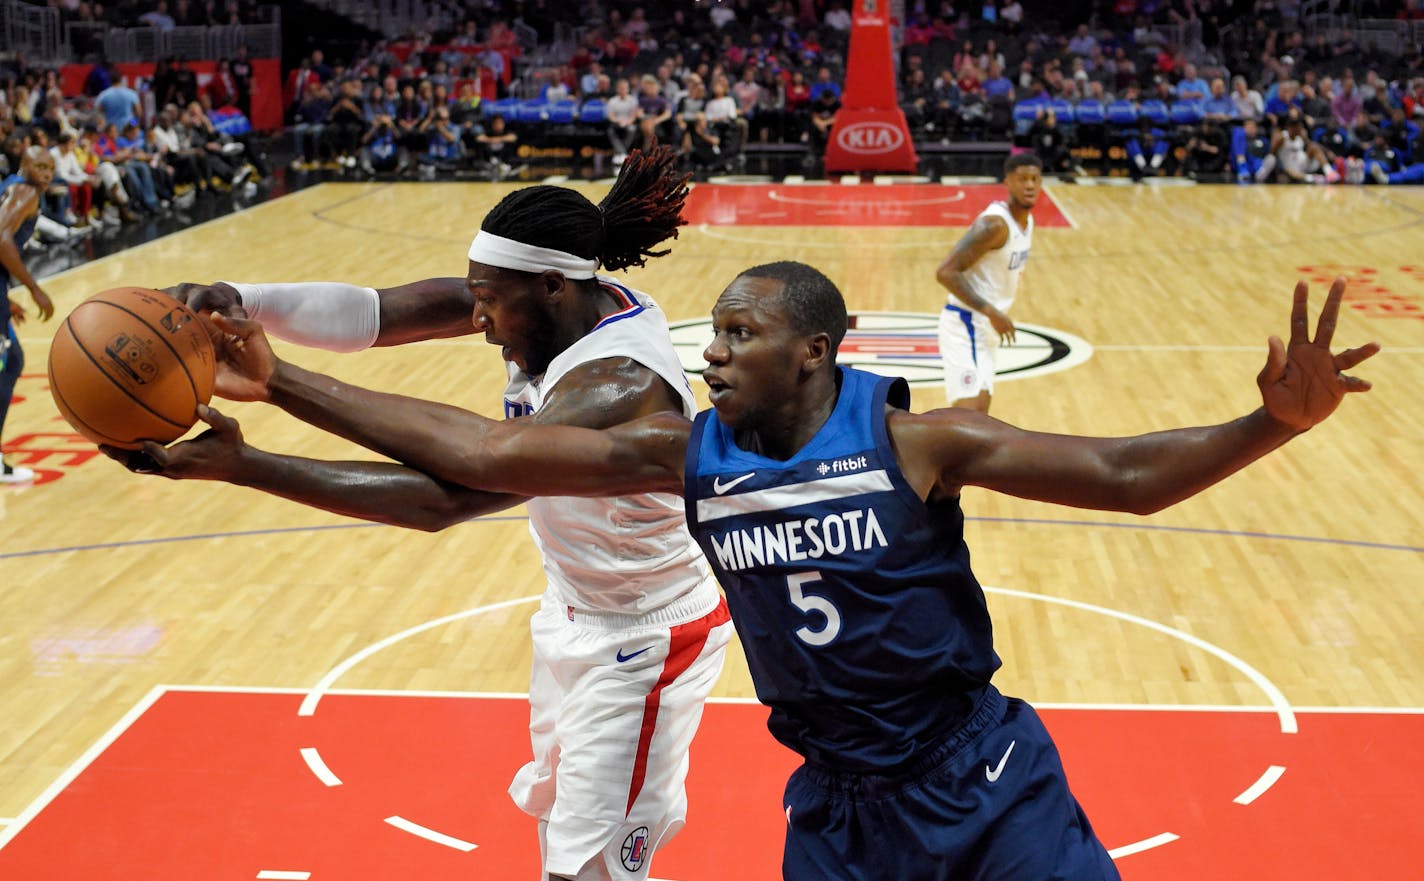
791, 541
870, 137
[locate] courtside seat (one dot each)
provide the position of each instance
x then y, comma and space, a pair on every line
1122, 113
1090, 111
506, 107
561, 112
1156, 111
1187, 113
532, 111
1063, 109
593, 112
1025, 112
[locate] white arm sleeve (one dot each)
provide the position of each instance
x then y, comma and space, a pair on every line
323, 315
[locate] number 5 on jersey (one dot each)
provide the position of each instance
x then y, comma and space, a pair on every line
810, 602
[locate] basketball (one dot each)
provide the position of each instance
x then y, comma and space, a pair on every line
130, 365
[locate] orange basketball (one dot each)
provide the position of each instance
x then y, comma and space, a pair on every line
130, 365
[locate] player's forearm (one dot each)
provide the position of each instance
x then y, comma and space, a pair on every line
1160, 469
381, 492
438, 439
12, 261
953, 281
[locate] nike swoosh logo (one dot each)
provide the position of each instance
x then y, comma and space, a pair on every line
992, 774
719, 487
622, 657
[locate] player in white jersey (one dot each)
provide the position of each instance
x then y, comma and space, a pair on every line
982, 276
631, 631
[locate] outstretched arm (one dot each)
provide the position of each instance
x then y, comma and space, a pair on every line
1301, 384
382, 492
342, 317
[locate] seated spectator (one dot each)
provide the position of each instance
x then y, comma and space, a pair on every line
1208, 149
1148, 150
345, 122
444, 149
380, 147
1192, 87
1048, 142
69, 170
132, 139
137, 176
494, 145
1347, 106
1316, 108
723, 118
823, 115
701, 147
1250, 150
656, 122
824, 83
623, 113
1219, 106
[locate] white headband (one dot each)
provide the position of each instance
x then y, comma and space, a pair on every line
493, 250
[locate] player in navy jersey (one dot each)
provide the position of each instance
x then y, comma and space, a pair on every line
831, 516
19, 209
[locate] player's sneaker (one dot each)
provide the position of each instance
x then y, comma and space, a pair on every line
12, 475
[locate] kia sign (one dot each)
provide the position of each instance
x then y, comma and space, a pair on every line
869, 138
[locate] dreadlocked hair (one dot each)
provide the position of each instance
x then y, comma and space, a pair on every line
644, 207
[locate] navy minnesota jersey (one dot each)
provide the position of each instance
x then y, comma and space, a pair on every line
865, 630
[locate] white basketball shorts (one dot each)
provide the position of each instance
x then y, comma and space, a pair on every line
968, 349
614, 702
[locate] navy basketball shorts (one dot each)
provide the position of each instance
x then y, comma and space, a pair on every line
991, 804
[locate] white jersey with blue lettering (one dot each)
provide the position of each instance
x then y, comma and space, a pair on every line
628, 555
995, 275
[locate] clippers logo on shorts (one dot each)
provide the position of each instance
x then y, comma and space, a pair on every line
635, 849
907, 344
133, 357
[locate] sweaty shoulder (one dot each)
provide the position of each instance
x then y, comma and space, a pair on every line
607, 392
930, 446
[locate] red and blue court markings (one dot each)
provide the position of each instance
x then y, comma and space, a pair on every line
858, 205
235, 785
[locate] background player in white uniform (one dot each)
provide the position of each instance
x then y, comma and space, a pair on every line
631, 632
982, 276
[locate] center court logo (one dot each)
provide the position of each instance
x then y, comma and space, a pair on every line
907, 344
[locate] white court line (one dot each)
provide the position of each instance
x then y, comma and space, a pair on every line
74, 770
279, 875
1128, 850
430, 834
6, 821
1273, 694
1258, 789
314, 696
1062, 209
319, 767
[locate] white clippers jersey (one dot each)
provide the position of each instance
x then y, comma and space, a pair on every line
628, 555
995, 276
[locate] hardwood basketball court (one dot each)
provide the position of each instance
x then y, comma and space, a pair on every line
1292, 590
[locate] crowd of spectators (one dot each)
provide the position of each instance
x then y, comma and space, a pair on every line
716, 78
1207, 88
122, 156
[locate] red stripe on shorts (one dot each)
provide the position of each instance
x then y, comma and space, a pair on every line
684, 647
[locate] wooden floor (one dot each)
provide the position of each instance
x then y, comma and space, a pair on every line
1308, 567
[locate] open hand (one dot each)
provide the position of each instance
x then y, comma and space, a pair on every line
213, 455
1303, 382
